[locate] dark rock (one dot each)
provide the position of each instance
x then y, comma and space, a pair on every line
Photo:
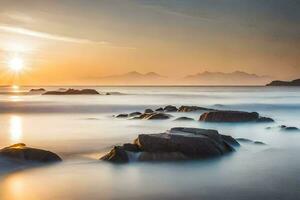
244, 140
131, 147
233, 116
73, 92
170, 108
116, 155
285, 83
184, 119
259, 143
230, 140
20, 152
192, 109
289, 128
148, 111
265, 119
159, 110
153, 116
122, 115
176, 144
38, 90
133, 114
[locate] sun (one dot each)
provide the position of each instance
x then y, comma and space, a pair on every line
16, 64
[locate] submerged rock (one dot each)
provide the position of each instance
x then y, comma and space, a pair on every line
133, 114
193, 109
289, 128
72, 92
175, 144
153, 116
170, 108
244, 140
148, 111
159, 110
233, 116
37, 90
124, 115
184, 119
20, 152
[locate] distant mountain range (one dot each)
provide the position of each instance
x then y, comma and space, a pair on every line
285, 83
205, 78
220, 78
135, 78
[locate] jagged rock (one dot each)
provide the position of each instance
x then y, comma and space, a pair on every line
193, 109
20, 152
232, 116
153, 116
184, 119
177, 144
73, 92
170, 108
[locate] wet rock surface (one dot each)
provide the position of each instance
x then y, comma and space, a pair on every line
176, 144
193, 109
233, 116
20, 152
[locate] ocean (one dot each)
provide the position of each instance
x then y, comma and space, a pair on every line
81, 128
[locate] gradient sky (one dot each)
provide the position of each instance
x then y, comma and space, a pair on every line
73, 41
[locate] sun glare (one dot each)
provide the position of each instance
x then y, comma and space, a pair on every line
16, 64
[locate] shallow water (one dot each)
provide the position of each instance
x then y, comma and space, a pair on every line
81, 129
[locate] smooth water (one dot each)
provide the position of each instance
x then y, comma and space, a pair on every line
81, 129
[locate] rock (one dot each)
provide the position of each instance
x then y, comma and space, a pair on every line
170, 108
73, 92
265, 119
116, 155
232, 116
184, 119
289, 128
230, 140
159, 110
192, 109
244, 140
176, 144
38, 90
124, 115
148, 111
20, 152
259, 143
133, 114
153, 116
285, 83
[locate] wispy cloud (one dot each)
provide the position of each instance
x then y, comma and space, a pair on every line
48, 36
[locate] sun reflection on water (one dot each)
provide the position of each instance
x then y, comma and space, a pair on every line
16, 130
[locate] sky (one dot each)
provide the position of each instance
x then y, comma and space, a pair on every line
77, 41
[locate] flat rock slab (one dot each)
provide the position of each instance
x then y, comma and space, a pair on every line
175, 144
233, 116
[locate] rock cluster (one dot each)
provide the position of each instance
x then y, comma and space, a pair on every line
72, 92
